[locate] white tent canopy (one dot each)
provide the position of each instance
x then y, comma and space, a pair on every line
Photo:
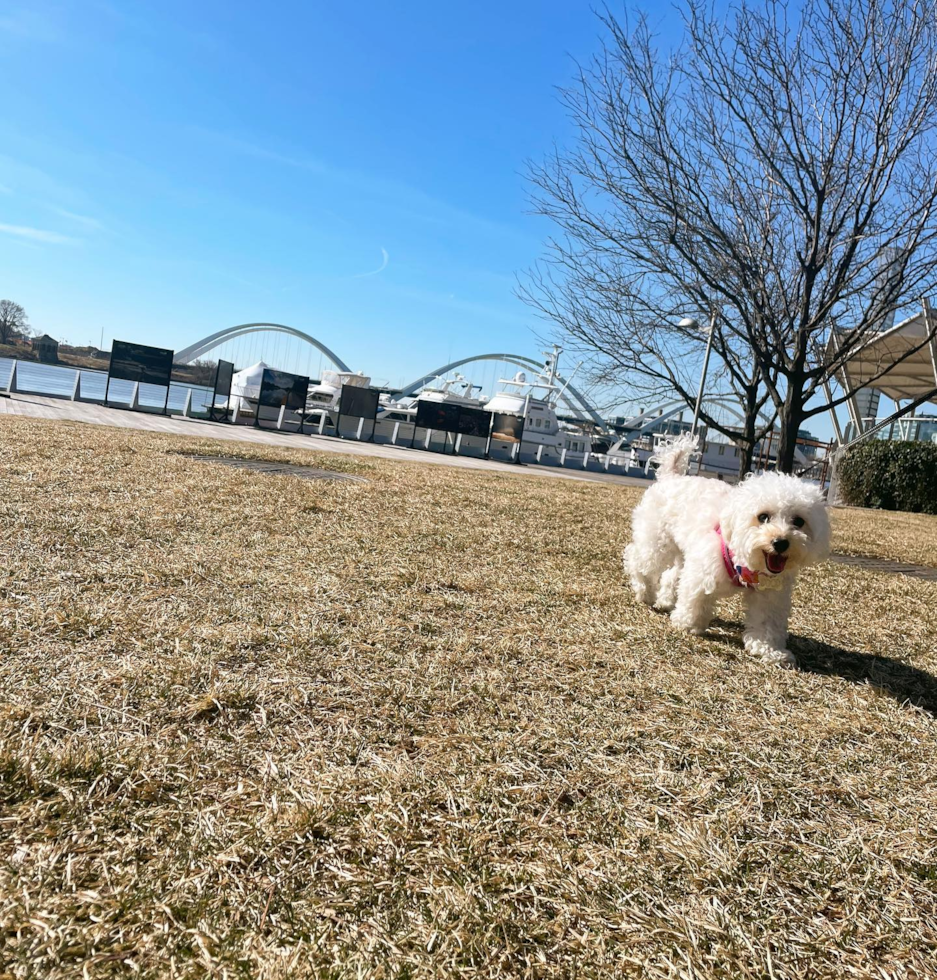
245, 386
913, 377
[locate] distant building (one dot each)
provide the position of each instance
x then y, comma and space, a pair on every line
46, 348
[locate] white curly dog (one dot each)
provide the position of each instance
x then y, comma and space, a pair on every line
696, 540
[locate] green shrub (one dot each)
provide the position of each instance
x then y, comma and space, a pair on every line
890, 475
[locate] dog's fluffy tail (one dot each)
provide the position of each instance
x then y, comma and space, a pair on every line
674, 459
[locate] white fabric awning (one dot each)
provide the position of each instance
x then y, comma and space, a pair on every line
246, 383
913, 377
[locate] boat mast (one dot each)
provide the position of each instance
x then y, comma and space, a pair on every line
552, 361
569, 380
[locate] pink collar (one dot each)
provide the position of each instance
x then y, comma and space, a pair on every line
741, 576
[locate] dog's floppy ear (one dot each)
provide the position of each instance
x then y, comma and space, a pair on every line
821, 532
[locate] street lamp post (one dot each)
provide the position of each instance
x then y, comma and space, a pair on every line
702, 379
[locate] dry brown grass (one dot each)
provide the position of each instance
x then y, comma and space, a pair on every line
416, 727
887, 534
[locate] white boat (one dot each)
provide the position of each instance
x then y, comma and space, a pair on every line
325, 396
456, 390
536, 401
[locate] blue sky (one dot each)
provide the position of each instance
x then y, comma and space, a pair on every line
171, 168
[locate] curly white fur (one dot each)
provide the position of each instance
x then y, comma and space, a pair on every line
675, 558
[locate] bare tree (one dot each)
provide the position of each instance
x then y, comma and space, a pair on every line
203, 371
649, 353
779, 174
13, 321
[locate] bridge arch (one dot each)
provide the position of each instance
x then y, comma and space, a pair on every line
667, 410
582, 408
203, 346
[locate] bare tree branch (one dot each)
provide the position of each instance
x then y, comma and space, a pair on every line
779, 172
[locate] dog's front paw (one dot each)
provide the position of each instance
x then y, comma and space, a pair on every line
689, 623
780, 657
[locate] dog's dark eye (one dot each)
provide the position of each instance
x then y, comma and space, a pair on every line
798, 522
764, 518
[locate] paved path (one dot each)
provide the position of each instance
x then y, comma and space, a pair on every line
37, 406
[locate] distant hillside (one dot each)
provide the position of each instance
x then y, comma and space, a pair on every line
200, 373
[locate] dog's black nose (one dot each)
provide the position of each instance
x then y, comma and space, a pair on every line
780, 545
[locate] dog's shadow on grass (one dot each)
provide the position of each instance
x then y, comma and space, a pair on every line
906, 684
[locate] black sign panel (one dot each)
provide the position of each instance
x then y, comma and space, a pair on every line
223, 378
358, 402
440, 416
507, 428
137, 362
278, 388
474, 422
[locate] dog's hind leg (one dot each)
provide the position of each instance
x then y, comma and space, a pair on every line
695, 607
647, 568
650, 553
640, 568
667, 589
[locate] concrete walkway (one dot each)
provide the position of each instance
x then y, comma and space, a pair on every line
40, 407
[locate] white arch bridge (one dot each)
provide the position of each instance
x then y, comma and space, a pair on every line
575, 401
202, 347
647, 421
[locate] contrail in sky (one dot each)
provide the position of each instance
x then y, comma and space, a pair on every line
380, 268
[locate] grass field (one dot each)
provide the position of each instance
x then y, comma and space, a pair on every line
253, 726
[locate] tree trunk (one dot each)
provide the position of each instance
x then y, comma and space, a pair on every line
791, 418
746, 441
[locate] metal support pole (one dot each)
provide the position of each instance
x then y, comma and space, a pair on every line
76, 389
834, 418
932, 343
393, 438
563, 456
280, 417
702, 379
360, 428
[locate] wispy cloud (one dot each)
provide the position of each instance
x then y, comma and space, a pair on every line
249, 149
31, 24
380, 268
401, 197
32, 182
36, 234
5, 190
450, 301
91, 223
